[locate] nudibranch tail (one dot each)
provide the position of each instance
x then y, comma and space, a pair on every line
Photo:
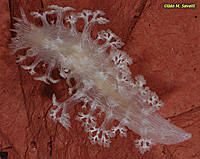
103, 81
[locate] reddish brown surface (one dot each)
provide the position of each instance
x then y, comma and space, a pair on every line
164, 45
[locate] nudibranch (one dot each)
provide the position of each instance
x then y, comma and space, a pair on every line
102, 78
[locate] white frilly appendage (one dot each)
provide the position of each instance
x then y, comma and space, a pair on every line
103, 81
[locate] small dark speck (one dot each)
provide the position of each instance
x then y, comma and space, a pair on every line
137, 15
195, 16
33, 146
149, 24
4, 155
38, 117
107, 18
194, 69
193, 107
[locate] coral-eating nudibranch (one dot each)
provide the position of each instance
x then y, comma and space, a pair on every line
103, 80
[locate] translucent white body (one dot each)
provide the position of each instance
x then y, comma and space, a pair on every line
103, 81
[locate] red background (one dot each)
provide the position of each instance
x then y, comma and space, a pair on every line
164, 45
